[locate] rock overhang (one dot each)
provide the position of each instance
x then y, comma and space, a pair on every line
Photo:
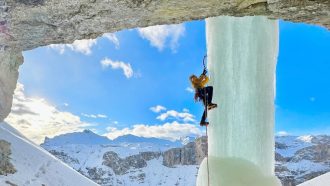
32, 23
28, 24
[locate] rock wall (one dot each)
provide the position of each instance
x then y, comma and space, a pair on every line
27, 24
191, 154
9, 64
120, 166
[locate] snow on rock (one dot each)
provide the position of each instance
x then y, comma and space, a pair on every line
287, 146
307, 138
323, 180
36, 166
306, 167
6, 167
129, 160
301, 158
87, 142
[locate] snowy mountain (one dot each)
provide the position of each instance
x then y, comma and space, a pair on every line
132, 160
302, 158
24, 163
135, 139
86, 137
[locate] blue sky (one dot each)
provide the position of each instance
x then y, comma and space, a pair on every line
109, 84
303, 74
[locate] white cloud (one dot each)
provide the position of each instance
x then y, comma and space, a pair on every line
36, 118
112, 38
102, 116
170, 131
189, 89
126, 67
157, 108
282, 133
66, 104
172, 114
81, 46
94, 115
185, 110
59, 47
162, 35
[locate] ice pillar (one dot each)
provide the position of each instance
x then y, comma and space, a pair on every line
242, 55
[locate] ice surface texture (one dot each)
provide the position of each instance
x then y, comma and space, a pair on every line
242, 55
233, 172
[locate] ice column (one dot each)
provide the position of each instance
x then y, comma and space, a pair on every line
242, 56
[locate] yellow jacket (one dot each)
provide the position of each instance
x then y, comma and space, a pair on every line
199, 82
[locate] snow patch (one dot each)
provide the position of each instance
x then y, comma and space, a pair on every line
323, 180
35, 166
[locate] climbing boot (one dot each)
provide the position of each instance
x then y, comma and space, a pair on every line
204, 124
211, 106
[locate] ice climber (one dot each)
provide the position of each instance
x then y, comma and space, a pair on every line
203, 93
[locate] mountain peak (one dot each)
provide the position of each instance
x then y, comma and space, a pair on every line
130, 138
88, 131
86, 137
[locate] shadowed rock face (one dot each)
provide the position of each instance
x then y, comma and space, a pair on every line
5, 166
120, 166
31, 2
27, 24
191, 154
9, 64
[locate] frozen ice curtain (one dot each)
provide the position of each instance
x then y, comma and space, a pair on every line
242, 55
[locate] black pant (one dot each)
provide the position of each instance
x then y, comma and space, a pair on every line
205, 94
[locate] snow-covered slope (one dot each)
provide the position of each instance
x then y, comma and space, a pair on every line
323, 180
33, 165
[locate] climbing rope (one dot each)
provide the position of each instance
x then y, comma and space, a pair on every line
207, 140
207, 137
207, 159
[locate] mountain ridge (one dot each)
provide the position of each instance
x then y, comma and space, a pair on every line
133, 159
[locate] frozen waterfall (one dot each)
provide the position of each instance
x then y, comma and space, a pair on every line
242, 56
